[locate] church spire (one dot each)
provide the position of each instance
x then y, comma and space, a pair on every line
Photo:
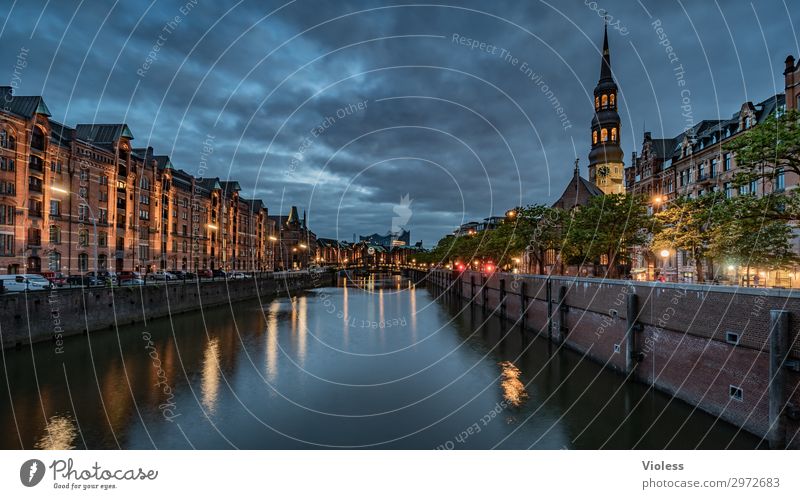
605, 61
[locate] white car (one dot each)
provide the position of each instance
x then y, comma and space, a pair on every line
15, 283
237, 275
162, 275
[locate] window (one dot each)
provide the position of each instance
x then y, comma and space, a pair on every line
144, 199
34, 236
611, 99
84, 175
37, 139
83, 262
102, 180
144, 214
34, 184
754, 187
594, 137
55, 234
605, 100
604, 135
7, 244
701, 171
726, 165
102, 239
102, 195
713, 171
614, 134
144, 252
83, 238
744, 190
54, 262
7, 164
597, 102
7, 214
7, 187
7, 140
55, 207
144, 183
728, 186
34, 208
185, 246
175, 245
83, 192
780, 180
102, 215
55, 167
83, 213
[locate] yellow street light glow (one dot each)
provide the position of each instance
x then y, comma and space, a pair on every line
657, 200
273, 238
212, 226
665, 253
303, 246
59, 189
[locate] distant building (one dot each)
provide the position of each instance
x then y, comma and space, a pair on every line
578, 192
791, 77
402, 238
296, 246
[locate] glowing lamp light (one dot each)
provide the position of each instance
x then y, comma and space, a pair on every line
731, 268
59, 189
665, 253
490, 268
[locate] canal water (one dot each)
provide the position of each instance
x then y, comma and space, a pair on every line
375, 362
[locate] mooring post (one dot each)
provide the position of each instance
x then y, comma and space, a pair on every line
503, 298
632, 312
778, 350
523, 305
562, 314
548, 290
484, 292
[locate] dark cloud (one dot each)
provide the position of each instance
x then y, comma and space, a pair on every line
442, 123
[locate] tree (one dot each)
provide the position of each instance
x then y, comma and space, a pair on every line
769, 149
608, 226
689, 225
748, 235
541, 229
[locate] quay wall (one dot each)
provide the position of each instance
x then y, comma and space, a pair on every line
729, 351
52, 315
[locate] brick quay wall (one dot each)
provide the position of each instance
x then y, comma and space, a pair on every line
731, 352
52, 315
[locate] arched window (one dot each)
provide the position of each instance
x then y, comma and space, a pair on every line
37, 138
604, 135
54, 263
594, 137
611, 99
597, 102
83, 262
605, 100
7, 140
614, 134
144, 183
55, 234
83, 238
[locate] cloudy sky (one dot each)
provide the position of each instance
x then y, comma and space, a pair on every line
342, 108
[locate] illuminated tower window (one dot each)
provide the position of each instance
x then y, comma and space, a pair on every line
604, 135
605, 100
613, 135
611, 99
596, 103
594, 137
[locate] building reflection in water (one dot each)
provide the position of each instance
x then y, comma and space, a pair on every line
272, 342
513, 389
59, 434
211, 375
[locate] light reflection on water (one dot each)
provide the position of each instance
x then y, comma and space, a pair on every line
386, 364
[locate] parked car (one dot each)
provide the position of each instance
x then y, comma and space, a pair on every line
104, 277
219, 273
237, 276
184, 275
82, 280
132, 281
130, 277
55, 278
13, 283
205, 273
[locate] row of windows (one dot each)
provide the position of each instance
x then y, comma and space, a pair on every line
604, 101
604, 134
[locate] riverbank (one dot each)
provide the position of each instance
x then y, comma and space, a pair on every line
60, 312
728, 351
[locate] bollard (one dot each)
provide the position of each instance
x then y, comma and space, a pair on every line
632, 312
549, 298
562, 314
778, 350
523, 310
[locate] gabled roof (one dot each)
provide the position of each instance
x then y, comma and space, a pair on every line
209, 183
23, 105
60, 134
103, 133
577, 193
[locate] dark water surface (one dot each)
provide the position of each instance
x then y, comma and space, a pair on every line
376, 363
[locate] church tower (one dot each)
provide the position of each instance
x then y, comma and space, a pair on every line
605, 159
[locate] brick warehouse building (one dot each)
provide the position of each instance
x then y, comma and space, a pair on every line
83, 199
695, 163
